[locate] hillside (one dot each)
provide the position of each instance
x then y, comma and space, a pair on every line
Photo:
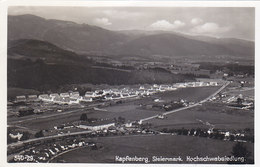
172, 45
65, 34
42, 66
83, 38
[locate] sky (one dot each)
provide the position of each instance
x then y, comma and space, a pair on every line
224, 22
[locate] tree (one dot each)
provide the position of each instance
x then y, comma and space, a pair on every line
39, 134
239, 101
185, 131
192, 132
121, 120
84, 117
231, 138
240, 150
26, 136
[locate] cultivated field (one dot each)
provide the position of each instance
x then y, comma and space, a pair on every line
216, 114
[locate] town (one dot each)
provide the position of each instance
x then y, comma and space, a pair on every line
79, 133
95, 84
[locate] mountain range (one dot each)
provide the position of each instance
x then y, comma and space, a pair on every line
45, 55
88, 39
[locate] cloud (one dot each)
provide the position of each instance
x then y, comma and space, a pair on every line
118, 14
209, 28
166, 25
102, 21
196, 21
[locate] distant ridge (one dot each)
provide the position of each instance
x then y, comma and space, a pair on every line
83, 38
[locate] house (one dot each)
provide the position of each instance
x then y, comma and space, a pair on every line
45, 97
132, 94
160, 116
98, 92
213, 83
156, 86
57, 99
17, 136
124, 95
90, 94
141, 92
150, 92
144, 87
172, 88
164, 87
97, 127
107, 91
64, 95
115, 91
180, 85
66, 100
86, 99
20, 98
73, 101
54, 95
128, 125
108, 97
32, 97
141, 88
205, 84
190, 84
116, 96
74, 95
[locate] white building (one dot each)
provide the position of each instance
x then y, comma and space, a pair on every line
74, 101
54, 95
74, 95
32, 97
98, 127
90, 94
20, 98
45, 97
64, 95
86, 99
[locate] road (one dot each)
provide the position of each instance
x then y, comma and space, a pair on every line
86, 132
111, 68
190, 106
144, 119
48, 137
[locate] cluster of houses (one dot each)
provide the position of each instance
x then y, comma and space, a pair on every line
238, 101
45, 154
111, 94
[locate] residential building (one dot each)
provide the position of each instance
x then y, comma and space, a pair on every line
64, 95
20, 98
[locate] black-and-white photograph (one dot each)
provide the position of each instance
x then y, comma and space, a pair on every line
130, 85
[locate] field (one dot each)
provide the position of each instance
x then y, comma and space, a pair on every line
148, 146
130, 110
190, 94
216, 114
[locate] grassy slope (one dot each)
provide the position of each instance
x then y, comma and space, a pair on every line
148, 146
